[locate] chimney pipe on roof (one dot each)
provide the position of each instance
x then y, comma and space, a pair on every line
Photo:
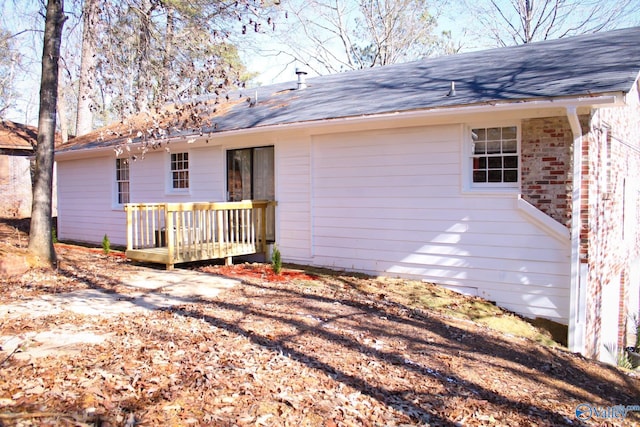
302, 77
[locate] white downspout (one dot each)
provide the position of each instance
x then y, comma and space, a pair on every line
578, 294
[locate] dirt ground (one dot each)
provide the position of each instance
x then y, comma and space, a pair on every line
303, 349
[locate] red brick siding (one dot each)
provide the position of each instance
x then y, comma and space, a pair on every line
546, 160
607, 162
610, 249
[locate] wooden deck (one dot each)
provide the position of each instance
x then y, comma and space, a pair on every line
173, 233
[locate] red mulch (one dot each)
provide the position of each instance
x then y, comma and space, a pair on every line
257, 271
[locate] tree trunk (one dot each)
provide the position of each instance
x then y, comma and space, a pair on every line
84, 118
40, 237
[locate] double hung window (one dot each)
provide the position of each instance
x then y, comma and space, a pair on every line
180, 171
122, 181
494, 157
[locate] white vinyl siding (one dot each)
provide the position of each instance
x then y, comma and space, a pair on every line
206, 175
293, 194
390, 202
85, 203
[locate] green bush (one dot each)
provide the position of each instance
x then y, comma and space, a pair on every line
106, 244
276, 261
54, 235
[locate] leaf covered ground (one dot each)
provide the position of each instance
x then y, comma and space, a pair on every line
311, 348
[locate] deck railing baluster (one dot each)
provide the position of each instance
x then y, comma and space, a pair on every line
195, 231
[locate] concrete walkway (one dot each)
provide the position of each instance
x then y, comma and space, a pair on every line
149, 290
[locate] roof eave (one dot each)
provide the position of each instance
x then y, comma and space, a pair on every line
612, 99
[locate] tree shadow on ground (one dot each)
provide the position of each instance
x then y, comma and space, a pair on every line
419, 364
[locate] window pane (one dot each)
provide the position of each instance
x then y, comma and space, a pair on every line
510, 176
239, 180
481, 163
478, 134
509, 132
510, 146
493, 147
511, 162
123, 192
480, 148
495, 162
263, 179
479, 176
495, 176
494, 134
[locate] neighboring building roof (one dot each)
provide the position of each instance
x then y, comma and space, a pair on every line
16, 136
578, 66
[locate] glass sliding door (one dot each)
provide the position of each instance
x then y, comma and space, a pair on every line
250, 176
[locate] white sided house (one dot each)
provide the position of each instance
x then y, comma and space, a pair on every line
512, 174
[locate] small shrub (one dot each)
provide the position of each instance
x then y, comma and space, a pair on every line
106, 244
54, 235
624, 361
276, 261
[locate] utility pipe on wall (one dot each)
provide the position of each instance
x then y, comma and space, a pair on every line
578, 291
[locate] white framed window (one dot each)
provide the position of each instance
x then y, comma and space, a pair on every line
123, 194
179, 171
494, 157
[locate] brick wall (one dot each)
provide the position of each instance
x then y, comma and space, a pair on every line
611, 238
609, 242
546, 164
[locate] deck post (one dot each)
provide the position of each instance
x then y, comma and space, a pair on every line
169, 236
263, 230
129, 210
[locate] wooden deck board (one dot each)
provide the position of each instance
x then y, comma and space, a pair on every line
192, 253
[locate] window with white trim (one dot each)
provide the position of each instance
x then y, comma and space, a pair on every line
122, 181
180, 171
495, 157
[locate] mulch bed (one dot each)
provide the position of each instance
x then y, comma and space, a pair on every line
257, 271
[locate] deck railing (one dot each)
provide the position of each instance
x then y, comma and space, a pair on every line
171, 233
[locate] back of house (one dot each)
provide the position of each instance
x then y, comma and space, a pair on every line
521, 186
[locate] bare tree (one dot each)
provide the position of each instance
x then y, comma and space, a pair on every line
86, 82
330, 36
158, 51
512, 22
9, 62
40, 234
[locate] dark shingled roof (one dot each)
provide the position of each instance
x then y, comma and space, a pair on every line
577, 66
